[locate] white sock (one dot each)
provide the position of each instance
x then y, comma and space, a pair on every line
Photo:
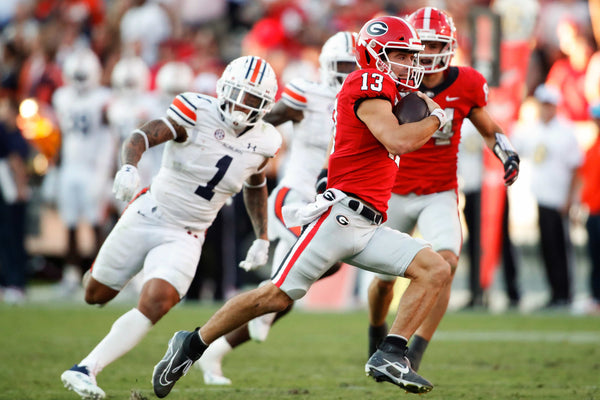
125, 334
211, 358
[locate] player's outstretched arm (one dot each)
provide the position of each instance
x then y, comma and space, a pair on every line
255, 200
281, 113
497, 141
150, 134
398, 139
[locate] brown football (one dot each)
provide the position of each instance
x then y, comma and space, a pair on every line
411, 108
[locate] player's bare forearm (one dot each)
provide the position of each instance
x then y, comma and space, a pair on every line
486, 126
281, 113
255, 200
150, 134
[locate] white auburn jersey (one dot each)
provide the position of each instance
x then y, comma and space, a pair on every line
128, 112
200, 174
83, 134
311, 136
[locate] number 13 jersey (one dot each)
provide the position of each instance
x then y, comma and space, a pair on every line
198, 176
359, 164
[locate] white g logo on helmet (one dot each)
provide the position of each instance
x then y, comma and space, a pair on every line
246, 90
377, 28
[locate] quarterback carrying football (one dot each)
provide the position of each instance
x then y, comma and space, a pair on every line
344, 223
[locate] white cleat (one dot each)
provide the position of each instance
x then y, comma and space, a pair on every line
79, 380
210, 365
259, 327
215, 379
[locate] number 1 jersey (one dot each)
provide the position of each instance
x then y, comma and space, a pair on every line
197, 176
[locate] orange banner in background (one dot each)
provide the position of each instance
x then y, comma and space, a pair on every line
503, 106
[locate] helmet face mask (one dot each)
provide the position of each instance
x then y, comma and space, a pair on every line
246, 90
337, 59
433, 25
379, 37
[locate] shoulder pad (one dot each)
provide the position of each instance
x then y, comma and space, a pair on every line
185, 107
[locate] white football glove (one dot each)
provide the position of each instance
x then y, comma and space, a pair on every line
126, 182
257, 256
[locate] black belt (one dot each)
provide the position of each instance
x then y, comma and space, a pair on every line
365, 211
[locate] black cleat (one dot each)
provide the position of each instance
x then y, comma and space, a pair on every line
395, 368
173, 365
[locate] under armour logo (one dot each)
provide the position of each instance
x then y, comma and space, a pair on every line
251, 147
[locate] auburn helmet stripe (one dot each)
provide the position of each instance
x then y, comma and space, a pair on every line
257, 67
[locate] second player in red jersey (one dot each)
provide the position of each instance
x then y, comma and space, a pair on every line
425, 190
432, 168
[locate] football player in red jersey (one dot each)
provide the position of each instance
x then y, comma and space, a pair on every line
425, 191
344, 223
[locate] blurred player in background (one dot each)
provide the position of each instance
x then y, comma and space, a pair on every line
129, 108
425, 192
344, 222
309, 105
173, 77
215, 146
86, 155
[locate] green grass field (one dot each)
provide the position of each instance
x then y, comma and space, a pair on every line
309, 356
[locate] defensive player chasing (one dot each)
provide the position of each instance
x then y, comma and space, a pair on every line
425, 192
309, 105
344, 223
214, 147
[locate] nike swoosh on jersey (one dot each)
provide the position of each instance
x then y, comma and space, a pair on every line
448, 98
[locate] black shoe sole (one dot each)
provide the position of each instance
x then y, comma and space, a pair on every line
409, 387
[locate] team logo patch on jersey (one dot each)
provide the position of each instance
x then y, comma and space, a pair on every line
342, 219
377, 28
219, 134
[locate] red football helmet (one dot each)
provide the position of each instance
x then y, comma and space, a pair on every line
383, 34
434, 25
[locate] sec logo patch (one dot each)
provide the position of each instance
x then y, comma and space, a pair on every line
342, 220
219, 134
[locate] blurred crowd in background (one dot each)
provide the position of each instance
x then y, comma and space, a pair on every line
191, 41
